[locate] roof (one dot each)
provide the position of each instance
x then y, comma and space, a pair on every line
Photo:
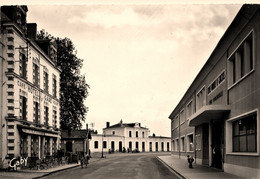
74, 134
124, 125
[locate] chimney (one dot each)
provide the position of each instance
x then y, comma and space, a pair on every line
108, 124
32, 30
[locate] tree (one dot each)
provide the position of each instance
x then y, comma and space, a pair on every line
73, 86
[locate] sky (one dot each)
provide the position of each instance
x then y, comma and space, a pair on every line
139, 58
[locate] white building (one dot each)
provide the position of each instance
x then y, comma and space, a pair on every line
128, 136
30, 108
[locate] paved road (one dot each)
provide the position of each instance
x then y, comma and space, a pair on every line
134, 166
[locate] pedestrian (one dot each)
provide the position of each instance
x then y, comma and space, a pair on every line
82, 161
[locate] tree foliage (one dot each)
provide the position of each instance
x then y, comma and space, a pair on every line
73, 86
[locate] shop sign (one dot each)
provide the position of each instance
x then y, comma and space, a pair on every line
28, 88
16, 162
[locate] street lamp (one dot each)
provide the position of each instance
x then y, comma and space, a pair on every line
102, 155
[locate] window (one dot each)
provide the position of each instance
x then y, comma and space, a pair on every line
96, 144
168, 146
182, 117
156, 146
216, 82
182, 144
36, 75
113, 132
23, 66
136, 133
10, 93
23, 108
46, 115
143, 134
175, 122
190, 145
10, 47
10, 86
177, 145
54, 86
240, 62
189, 111
162, 146
130, 145
244, 134
136, 145
54, 118
46, 81
104, 144
173, 146
130, 133
200, 98
10, 39
10, 133
11, 141
151, 146
10, 31
36, 110
11, 78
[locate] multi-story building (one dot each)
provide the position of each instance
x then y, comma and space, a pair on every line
217, 120
29, 89
128, 137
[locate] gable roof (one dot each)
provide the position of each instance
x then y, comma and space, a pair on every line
74, 134
124, 125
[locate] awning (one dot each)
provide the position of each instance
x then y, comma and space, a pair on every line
208, 113
34, 132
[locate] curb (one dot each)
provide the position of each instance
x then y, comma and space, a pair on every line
178, 174
49, 173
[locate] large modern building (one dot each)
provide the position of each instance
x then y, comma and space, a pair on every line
129, 137
29, 95
217, 120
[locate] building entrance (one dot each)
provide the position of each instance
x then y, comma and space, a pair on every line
217, 144
120, 146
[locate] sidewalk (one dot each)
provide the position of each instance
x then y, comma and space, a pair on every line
26, 173
181, 168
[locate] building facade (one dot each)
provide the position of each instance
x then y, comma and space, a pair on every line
30, 109
217, 120
128, 137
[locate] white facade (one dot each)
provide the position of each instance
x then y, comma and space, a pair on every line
30, 93
128, 137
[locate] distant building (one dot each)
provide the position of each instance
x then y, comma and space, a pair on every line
29, 89
128, 136
217, 120
75, 141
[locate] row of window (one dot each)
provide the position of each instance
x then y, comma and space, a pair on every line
36, 76
130, 145
179, 144
36, 112
136, 134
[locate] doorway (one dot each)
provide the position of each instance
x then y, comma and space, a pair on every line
120, 146
217, 144
113, 146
